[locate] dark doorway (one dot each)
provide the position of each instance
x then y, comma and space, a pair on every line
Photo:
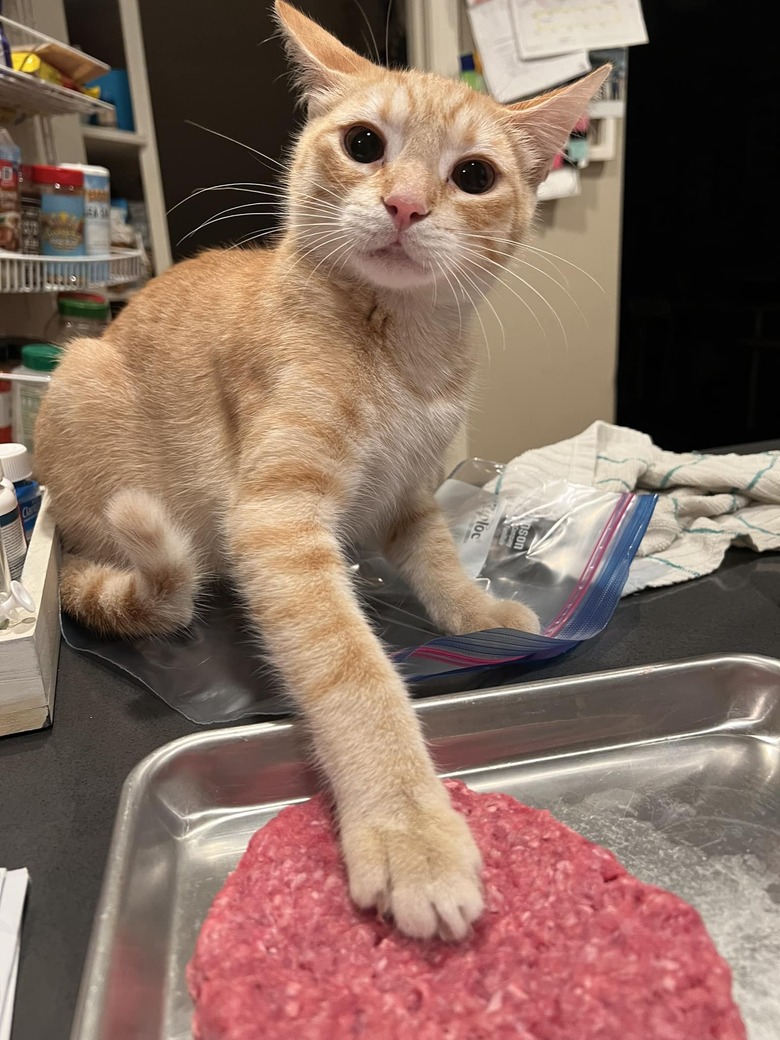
699, 357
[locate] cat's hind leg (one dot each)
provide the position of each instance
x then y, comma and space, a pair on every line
150, 586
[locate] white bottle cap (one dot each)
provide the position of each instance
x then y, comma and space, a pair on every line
17, 599
15, 462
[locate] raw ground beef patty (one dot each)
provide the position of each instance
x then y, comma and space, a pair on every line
570, 946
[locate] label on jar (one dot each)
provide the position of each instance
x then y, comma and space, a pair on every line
10, 214
62, 224
14, 542
97, 215
31, 225
27, 406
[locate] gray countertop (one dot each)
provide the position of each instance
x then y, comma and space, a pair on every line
59, 787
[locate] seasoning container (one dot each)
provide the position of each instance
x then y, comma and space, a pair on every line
78, 315
11, 531
97, 208
62, 210
38, 360
10, 204
31, 212
15, 464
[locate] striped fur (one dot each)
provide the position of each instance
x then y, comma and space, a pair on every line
251, 412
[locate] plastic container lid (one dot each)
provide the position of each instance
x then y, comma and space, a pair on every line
15, 462
91, 308
41, 357
58, 175
88, 171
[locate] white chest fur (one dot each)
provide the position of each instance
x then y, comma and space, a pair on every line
410, 435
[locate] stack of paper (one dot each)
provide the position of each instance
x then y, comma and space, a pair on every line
13, 889
527, 46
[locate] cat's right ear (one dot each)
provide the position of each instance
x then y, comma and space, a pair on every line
322, 62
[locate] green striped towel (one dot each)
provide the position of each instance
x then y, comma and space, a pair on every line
706, 502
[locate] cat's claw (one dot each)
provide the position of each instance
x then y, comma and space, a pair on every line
420, 865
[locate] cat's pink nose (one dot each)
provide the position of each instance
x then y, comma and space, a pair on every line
405, 211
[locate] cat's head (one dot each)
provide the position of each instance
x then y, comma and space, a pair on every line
403, 178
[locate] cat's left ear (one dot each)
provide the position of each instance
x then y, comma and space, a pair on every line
323, 62
547, 121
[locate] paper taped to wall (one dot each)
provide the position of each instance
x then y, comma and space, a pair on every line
548, 27
507, 75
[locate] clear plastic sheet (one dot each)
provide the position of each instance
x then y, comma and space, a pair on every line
564, 550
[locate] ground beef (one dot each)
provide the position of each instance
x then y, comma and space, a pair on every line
570, 947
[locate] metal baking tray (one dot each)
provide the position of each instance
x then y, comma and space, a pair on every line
676, 768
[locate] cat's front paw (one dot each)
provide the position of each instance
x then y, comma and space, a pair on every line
483, 612
418, 863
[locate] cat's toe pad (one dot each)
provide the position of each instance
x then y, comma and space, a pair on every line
421, 867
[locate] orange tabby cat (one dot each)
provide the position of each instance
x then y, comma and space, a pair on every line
251, 412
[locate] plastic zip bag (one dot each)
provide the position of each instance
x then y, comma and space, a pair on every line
564, 550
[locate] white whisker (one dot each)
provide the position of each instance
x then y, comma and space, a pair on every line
487, 300
534, 290
475, 309
518, 259
342, 245
255, 151
321, 240
253, 189
371, 31
457, 300
247, 211
253, 236
544, 252
525, 303
387, 38
535, 249
226, 137
514, 274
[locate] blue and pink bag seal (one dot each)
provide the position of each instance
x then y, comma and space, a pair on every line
572, 568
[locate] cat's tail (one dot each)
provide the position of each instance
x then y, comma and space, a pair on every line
155, 593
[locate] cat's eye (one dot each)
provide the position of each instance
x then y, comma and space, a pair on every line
474, 176
363, 144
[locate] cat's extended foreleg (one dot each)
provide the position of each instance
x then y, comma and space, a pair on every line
407, 851
420, 545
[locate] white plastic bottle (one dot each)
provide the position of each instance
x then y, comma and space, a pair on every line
38, 360
11, 530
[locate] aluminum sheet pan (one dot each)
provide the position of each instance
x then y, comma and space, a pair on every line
676, 768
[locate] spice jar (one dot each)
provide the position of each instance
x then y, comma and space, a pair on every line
78, 315
10, 208
97, 208
38, 360
62, 210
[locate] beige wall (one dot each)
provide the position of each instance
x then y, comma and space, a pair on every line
537, 391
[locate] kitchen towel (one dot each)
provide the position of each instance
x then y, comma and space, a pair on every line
13, 890
706, 502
